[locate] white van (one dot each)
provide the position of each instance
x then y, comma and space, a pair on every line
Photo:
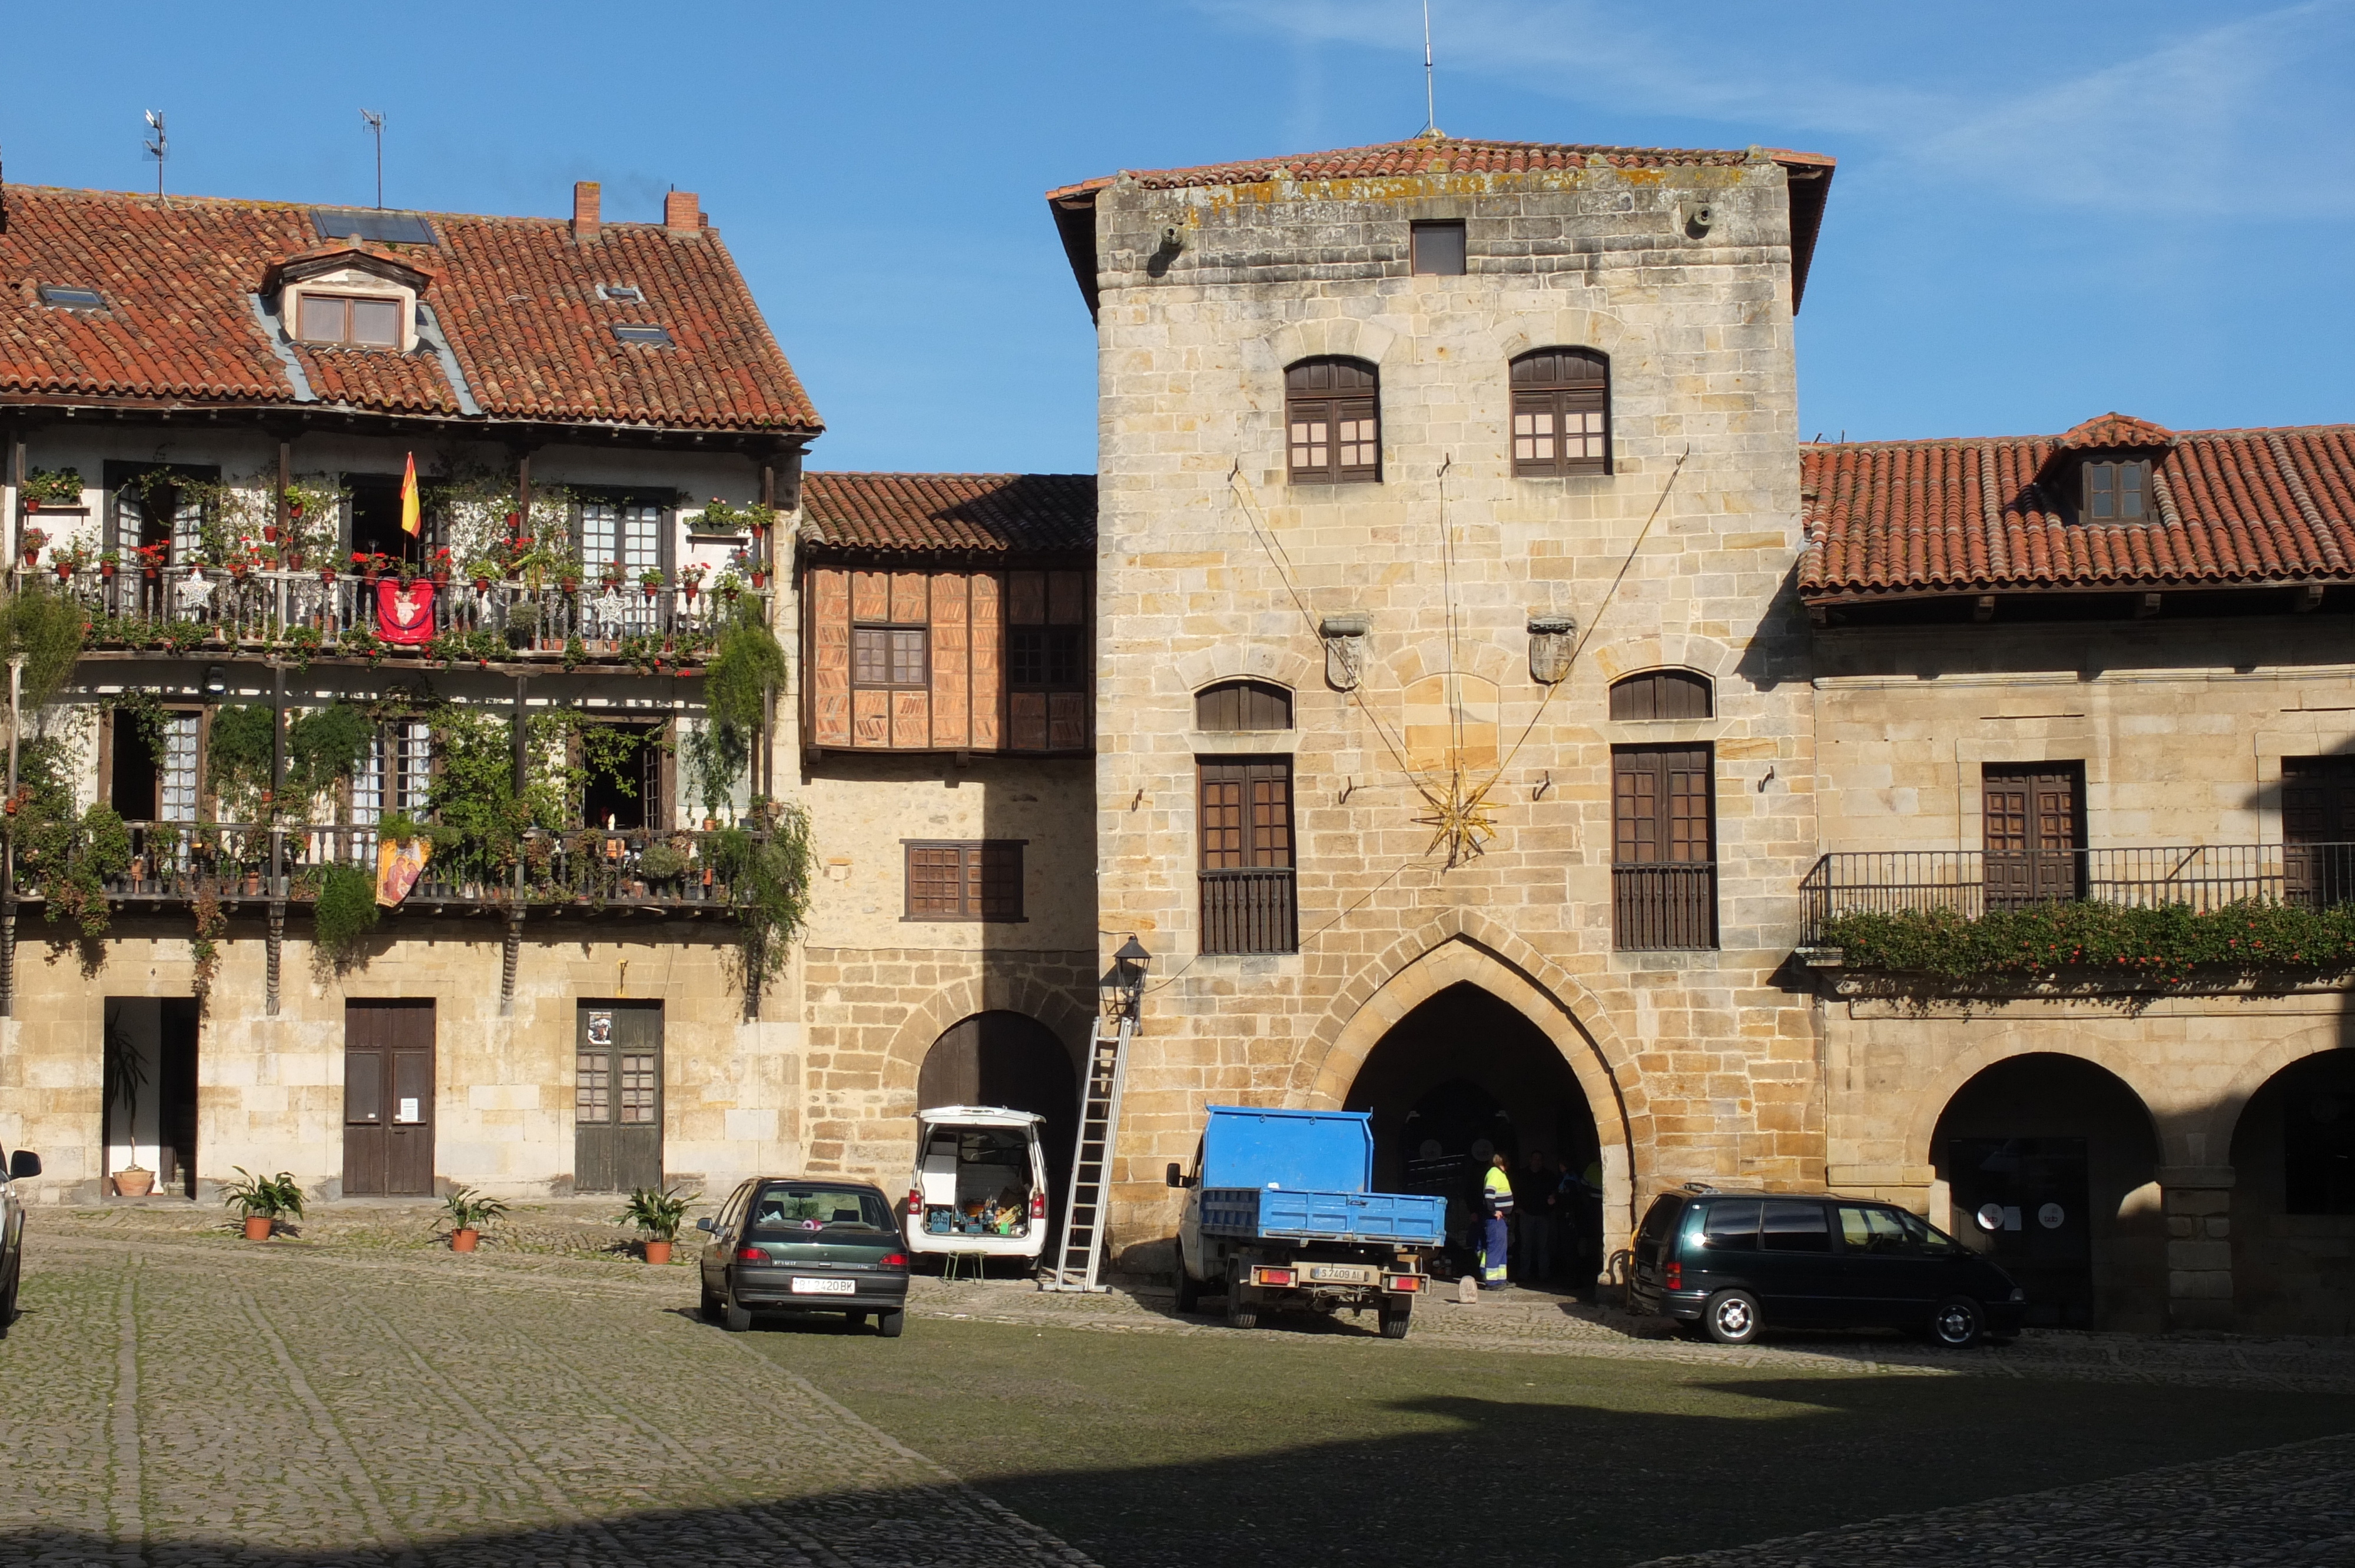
980, 1184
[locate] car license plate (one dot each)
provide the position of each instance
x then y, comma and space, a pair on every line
1342, 1276
825, 1286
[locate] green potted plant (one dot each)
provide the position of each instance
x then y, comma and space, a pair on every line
469, 1213
126, 1075
264, 1200
659, 1214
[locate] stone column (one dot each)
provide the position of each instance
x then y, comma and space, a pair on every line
2199, 1245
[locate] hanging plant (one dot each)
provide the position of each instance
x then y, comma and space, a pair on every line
343, 913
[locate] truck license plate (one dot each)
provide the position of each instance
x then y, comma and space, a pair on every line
825, 1286
1340, 1274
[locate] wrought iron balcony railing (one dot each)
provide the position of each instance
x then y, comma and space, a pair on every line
1250, 910
587, 869
1970, 883
334, 614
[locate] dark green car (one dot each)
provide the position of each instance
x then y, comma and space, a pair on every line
805, 1245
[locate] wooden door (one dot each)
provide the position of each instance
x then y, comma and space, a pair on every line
1664, 847
2034, 822
389, 1099
2319, 830
1246, 873
617, 1102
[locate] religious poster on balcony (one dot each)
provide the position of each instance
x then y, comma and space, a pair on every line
397, 867
404, 611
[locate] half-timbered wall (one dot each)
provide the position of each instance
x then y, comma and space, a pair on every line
866, 693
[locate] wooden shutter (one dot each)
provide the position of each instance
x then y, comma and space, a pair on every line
1664, 847
1245, 828
1562, 413
2319, 830
2031, 814
1661, 694
1332, 420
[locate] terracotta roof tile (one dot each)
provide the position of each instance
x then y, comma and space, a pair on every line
516, 297
1005, 514
1892, 519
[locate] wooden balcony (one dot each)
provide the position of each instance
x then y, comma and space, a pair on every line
1252, 910
321, 615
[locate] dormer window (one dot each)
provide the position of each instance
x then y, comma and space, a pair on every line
354, 321
63, 298
2117, 491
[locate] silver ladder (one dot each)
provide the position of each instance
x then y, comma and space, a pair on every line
1081, 1259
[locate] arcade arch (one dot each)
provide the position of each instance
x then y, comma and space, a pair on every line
1011, 1059
2293, 1204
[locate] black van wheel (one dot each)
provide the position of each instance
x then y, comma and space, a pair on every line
1396, 1320
1190, 1291
1957, 1323
1240, 1314
1732, 1318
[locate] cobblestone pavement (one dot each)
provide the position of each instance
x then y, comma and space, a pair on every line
2274, 1507
357, 1394
193, 1403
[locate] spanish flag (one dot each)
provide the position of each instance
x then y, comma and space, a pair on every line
409, 498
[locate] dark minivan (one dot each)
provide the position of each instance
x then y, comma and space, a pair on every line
22, 1166
1729, 1264
803, 1245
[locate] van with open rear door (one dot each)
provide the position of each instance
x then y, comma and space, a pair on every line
980, 1183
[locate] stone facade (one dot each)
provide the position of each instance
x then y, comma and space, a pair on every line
1210, 565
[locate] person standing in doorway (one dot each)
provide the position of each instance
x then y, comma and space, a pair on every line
1496, 1208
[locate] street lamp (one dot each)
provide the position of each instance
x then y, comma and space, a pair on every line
1125, 985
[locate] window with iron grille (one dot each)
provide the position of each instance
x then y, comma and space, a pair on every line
1562, 413
2117, 491
889, 656
1247, 885
1332, 410
965, 881
1664, 848
1045, 658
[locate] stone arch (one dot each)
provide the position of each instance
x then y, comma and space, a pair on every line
1511, 336
2222, 1120
1346, 335
1427, 655
960, 1000
1239, 659
1667, 650
1465, 946
2117, 1059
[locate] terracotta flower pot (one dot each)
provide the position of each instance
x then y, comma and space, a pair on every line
134, 1182
259, 1226
106, 569
658, 1252
464, 1240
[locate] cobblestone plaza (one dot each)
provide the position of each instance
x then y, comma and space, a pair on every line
171, 1395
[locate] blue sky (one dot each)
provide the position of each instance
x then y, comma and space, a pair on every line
2042, 211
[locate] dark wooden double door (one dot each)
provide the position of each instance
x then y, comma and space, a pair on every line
2035, 823
389, 1099
617, 1099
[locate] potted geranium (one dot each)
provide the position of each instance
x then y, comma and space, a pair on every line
651, 579
470, 1213
659, 1214
690, 580
152, 558
264, 1200
108, 562
33, 539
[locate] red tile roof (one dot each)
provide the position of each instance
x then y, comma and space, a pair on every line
1911, 518
1002, 513
516, 298
1073, 206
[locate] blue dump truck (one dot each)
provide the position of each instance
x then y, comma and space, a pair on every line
1278, 1215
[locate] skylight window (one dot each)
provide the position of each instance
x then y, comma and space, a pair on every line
384, 227
70, 299
622, 293
643, 336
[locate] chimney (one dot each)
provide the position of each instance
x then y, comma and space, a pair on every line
679, 212
585, 221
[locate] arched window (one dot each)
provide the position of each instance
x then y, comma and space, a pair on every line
1242, 705
1562, 412
1662, 695
1332, 411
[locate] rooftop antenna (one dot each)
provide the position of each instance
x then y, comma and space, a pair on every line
158, 147
1430, 102
374, 119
